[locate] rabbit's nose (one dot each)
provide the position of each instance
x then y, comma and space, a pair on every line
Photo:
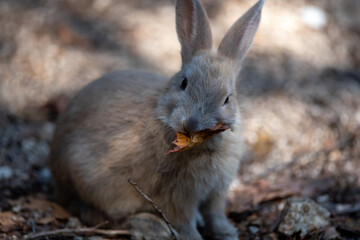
191, 125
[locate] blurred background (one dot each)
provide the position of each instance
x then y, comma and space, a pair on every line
300, 85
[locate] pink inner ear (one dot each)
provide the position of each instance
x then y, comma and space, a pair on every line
193, 28
238, 40
185, 12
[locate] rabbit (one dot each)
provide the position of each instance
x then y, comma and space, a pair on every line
119, 127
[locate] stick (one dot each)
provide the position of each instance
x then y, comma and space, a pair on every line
274, 227
100, 224
68, 232
157, 209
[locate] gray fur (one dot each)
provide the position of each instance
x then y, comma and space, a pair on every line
238, 40
120, 126
193, 28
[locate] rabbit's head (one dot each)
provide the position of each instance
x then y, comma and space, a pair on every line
203, 93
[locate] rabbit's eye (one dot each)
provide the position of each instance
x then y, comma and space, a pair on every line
227, 100
184, 83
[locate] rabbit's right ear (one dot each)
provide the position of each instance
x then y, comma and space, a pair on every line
193, 28
238, 40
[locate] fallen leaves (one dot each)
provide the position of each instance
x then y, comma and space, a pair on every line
7, 221
40, 204
184, 142
247, 197
33, 212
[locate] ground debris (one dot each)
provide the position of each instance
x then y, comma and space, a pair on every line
303, 215
247, 196
7, 221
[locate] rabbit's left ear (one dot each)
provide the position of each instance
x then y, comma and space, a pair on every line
238, 40
193, 28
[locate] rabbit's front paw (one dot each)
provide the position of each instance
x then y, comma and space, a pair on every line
146, 226
189, 233
222, 229
229, 233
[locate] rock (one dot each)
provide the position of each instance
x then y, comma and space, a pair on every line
44, 175
95, 238
331, 233
303, 215
5, 173
73, 222
253, 229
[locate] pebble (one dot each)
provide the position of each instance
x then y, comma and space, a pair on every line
95, 238
6, 173
253, 229
303, 215
45, 175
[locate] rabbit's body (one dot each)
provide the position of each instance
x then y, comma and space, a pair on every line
100, 153
121, 125
104, 135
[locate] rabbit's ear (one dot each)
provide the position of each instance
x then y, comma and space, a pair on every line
193, 28
238, 40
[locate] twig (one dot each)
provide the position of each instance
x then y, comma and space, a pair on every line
33, 227
100, 225
67, 232
80, 231
274, 227
157, 209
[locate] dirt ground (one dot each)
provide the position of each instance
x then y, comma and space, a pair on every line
300, 91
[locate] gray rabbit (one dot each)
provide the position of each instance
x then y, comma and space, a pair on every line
119, 127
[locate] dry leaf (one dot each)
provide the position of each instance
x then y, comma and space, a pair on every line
245, 198
264, 144
7, 221
46, 220
43, 205
184, 142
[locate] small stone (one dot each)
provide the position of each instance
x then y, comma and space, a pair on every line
45, 175
16, 208
47, 131
95, 238
331, 233
28, 144
322, 198
303, 215
253, 229
73, 222
5, 173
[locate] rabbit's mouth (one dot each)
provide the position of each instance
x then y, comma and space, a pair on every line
185, 141
208, 132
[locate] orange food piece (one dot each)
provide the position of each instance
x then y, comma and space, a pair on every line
184, 142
